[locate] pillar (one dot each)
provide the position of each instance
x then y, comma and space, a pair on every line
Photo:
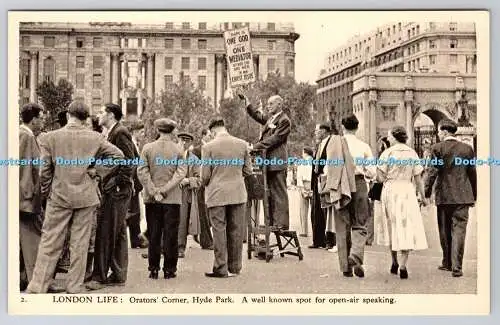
373, 123
219, 79
124, 73
33, 76
409, 122
256, 66
124, 103
139, 103
150, 74
115, 92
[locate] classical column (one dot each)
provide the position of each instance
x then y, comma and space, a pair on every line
409, 121
33, 76
143, 75
219, 78
139, 102
115, 92
372, 104
150, 73
124, 102
124, 73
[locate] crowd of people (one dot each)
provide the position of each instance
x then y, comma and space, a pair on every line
80, 212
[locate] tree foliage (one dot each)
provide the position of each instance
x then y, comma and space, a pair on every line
181, 102
54, 98
298, 98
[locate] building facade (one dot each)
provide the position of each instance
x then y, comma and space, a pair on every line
128, 64
398, 71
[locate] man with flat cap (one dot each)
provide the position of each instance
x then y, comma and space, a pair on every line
162, 197
456, 192
273, 139
228, 162
72, 197
190, 222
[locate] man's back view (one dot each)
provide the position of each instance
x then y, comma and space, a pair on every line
72, 197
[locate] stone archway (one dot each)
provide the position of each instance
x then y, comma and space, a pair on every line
425, 135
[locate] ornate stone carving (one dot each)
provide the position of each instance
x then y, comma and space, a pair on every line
389, 113
33, 54
372, 97
372, 82
415, 110
408, 97
409, 82
115, 55
452, 109
459, 83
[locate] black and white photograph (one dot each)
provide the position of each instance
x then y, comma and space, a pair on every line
320, 161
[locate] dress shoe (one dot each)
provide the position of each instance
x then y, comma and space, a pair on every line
94, 285
153, 275
54, 289
348, 274
169, 275
358, 269
394, 268
334, 249
215, 275
457, 273
444, 268
403, 273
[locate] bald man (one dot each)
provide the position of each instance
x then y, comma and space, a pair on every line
273, 139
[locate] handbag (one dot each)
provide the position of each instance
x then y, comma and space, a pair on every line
376, 191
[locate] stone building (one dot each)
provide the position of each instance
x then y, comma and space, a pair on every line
398, 71
126, 63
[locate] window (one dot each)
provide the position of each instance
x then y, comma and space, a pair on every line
97, 41
202, 82
453, 59
49, 70
453, 27
271, 27
169, 62
399, 26
98, 62
97, 81
271, 65
388, 32
432, 59
453, 44
418, 29
202, 63
418, 47
80, 81
291, 66
432, 44
202, 26
409, 33
141, 42
186, 25
25, 41
169, 25
413, 31
49, 41
186, 43
80, 42
202, 44
169, 43
418, 64
271, 45
185, 63
394, 29
132, 43
169, 80
80, 62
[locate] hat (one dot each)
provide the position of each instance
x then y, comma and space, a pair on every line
185, 136
216, 122
165, 125
448, 125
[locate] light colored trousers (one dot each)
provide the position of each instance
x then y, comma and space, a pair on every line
304, 214
58, 221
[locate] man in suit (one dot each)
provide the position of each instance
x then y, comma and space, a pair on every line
189, 185
206, 240
30, 208
163, 197
111, 247
225, 192
456, 192
321, 239
274, 139
72, 197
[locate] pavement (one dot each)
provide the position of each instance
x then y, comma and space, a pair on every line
317, 273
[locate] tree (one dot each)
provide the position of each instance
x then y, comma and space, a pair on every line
298, 100
54, 99
181, 102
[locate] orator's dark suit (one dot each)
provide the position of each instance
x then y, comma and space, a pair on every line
456, 191
274, 139
111, 249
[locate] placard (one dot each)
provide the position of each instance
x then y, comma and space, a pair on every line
239, 57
